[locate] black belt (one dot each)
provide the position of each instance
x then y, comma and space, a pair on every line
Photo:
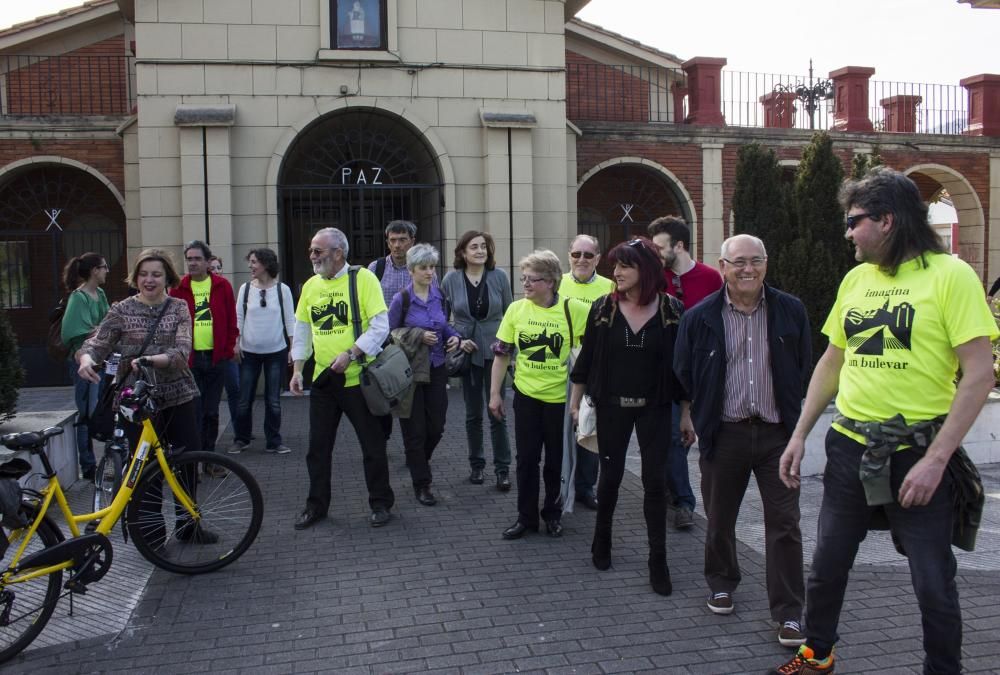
753, 421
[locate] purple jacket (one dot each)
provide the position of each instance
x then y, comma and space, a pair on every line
430, 315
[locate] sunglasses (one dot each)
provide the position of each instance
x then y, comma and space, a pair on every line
317, 251
263, 298
678, 289
852, 221
587, 255
527, 281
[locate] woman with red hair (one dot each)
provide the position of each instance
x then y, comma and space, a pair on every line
626, 368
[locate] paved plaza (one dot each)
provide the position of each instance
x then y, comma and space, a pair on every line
439, 591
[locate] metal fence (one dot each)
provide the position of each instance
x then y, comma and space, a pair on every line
642, 94
66, 85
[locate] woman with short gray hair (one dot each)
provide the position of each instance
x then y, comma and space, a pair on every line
420, 311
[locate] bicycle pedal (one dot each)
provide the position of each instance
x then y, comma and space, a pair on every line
74, 586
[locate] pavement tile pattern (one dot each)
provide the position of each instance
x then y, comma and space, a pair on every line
438, 591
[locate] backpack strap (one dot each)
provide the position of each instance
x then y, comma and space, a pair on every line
380, 268
281, 305
246, 292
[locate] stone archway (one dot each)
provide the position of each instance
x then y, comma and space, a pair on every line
52, 209
356, 169
619, 197
931, 179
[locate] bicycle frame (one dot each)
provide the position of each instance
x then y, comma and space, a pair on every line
148, 443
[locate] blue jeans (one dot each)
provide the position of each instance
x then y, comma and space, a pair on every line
476, 390
923, 531
273, 366
86, 395
233, 390
210, 380
678, 480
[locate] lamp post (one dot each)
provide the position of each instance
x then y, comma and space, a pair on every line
809, 94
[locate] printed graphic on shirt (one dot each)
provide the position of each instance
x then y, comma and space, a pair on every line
203, 337
540, 346
329, 314
873, 331
899, 335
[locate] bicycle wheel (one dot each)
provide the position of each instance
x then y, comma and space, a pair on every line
108, 478
26, 607
229, 504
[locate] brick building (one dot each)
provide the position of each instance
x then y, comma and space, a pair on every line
134, 123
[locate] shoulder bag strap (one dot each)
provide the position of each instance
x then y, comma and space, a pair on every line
569, 322
246, 293
281, 306
352, 291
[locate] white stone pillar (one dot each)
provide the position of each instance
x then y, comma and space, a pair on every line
712, 217
992, 256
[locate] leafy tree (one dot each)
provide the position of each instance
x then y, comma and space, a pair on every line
813, 264
864, 163
11, 374
760, 201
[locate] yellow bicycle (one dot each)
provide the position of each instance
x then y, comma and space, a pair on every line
208, 521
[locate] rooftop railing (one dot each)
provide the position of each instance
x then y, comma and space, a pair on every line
622, 93
70, 85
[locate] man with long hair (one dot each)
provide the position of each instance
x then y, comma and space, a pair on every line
904, 322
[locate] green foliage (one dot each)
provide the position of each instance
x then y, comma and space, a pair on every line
995, 307
864, 163
760, 200
813, 263
11, 374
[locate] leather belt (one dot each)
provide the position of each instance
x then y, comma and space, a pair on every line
754, 420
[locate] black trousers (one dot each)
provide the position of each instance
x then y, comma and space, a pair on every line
538, 428
614, 429
423, 429
743, 448
327, 404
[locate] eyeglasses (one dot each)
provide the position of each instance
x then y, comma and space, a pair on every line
263, 297
678, 289
853, 221
756, 261
576, 255
318, 251
528, 281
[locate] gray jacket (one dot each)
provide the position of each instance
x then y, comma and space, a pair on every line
483, 333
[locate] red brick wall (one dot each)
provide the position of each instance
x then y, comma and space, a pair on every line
105, 156
92, 80
595, 91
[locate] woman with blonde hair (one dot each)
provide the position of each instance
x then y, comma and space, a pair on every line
540, 329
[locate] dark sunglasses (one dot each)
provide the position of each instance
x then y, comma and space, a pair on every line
575, 255
263, 298
678, 289
635, 243
852, 221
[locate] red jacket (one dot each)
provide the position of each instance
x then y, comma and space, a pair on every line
222, 302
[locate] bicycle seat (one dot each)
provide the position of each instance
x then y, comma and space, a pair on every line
29, 439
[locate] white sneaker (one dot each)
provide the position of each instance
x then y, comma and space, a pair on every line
237, 447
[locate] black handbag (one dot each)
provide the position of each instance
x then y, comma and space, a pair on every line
101, 423
457, 362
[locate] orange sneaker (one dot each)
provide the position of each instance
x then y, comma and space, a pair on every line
804, 663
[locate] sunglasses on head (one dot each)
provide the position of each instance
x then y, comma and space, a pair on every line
575, 255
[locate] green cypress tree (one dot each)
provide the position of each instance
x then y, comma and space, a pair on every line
813, 264
760, 201
11, 374
864, 163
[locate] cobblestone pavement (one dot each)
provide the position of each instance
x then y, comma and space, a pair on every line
439, 591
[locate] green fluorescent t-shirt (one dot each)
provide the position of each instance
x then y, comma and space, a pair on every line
203, 339
598, 287
899, 336
325, 304
541, 337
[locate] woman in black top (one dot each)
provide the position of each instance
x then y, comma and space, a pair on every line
626, 368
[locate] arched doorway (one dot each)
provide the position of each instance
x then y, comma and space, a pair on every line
931, 179
617, 201
356, 170
48, 214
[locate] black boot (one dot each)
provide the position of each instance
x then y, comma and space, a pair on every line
659, 574
601, 549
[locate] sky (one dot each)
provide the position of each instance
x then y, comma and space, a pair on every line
935, 41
